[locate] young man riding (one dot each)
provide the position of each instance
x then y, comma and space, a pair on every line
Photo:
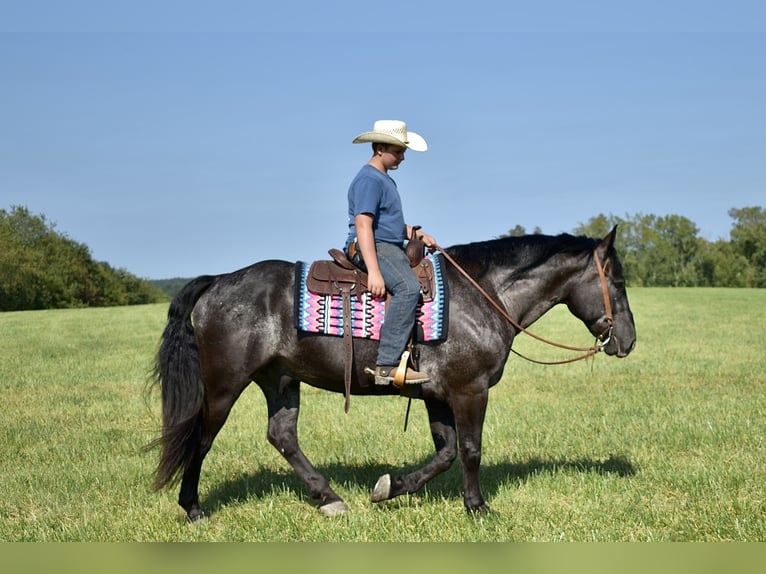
376, 239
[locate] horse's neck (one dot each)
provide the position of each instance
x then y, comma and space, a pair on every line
528, 298
527, 290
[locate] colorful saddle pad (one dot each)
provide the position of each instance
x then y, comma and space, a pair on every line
324, 313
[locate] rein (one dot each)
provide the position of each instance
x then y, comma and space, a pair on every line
601, 340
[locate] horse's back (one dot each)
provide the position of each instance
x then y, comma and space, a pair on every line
255, 299
248, 285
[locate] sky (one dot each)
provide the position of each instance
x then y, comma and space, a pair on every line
176, 139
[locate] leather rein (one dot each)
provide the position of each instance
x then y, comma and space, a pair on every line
601, 341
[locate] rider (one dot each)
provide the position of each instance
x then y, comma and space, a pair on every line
377, 232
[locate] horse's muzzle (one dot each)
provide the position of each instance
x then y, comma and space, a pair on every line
620, 345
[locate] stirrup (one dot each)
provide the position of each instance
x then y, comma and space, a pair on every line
400, 372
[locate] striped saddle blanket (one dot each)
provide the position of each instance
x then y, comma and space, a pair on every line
323, 314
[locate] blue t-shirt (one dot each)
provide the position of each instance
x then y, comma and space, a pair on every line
375, 192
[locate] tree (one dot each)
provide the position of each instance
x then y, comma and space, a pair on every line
655, 251
599, 226
517, 231
674, 258
520, 231
43, 269
721, 266
748, 239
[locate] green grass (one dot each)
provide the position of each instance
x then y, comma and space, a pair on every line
667, 444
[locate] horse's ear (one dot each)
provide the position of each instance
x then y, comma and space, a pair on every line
607, 243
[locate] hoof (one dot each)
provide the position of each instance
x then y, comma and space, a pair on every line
382, 490
196, 516
332, 509
481, 510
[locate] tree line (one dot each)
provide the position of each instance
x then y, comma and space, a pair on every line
667, 251
41, 268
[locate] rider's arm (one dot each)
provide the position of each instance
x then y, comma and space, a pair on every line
366, 241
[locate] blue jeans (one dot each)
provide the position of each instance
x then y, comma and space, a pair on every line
400, 311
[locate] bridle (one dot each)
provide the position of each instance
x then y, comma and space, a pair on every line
601, 341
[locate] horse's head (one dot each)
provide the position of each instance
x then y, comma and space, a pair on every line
601, 302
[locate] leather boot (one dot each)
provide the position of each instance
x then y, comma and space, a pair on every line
385, 375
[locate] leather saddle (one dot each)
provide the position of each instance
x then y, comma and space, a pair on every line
340, 276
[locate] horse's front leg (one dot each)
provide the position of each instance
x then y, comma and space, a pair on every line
283, 400
470, 409
442, 423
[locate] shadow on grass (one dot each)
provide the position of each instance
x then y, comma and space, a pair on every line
449, 484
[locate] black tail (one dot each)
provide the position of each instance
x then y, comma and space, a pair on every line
177, 372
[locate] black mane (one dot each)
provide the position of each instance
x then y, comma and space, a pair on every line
521, 253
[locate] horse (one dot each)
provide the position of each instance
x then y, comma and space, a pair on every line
226, 331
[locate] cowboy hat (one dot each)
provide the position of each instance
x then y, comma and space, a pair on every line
393, 132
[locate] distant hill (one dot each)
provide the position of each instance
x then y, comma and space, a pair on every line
170, 286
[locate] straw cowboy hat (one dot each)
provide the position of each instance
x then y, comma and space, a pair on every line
393, 132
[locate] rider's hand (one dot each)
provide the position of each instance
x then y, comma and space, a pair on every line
428, 240
375, 284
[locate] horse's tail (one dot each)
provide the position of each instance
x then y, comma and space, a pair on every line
177, 372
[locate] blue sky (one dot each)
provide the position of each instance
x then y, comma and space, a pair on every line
183, 138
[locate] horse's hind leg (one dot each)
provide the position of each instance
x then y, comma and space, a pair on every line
188, 496
216, 411
283, 400
442, 423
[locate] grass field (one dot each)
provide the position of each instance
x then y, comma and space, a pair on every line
665, 445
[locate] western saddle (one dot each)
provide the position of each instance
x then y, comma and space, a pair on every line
340, 276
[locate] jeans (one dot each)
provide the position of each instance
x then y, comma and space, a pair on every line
400, 312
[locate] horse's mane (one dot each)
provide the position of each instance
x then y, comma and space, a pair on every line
519, 253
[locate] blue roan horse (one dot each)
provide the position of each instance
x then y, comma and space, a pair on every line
243, 331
